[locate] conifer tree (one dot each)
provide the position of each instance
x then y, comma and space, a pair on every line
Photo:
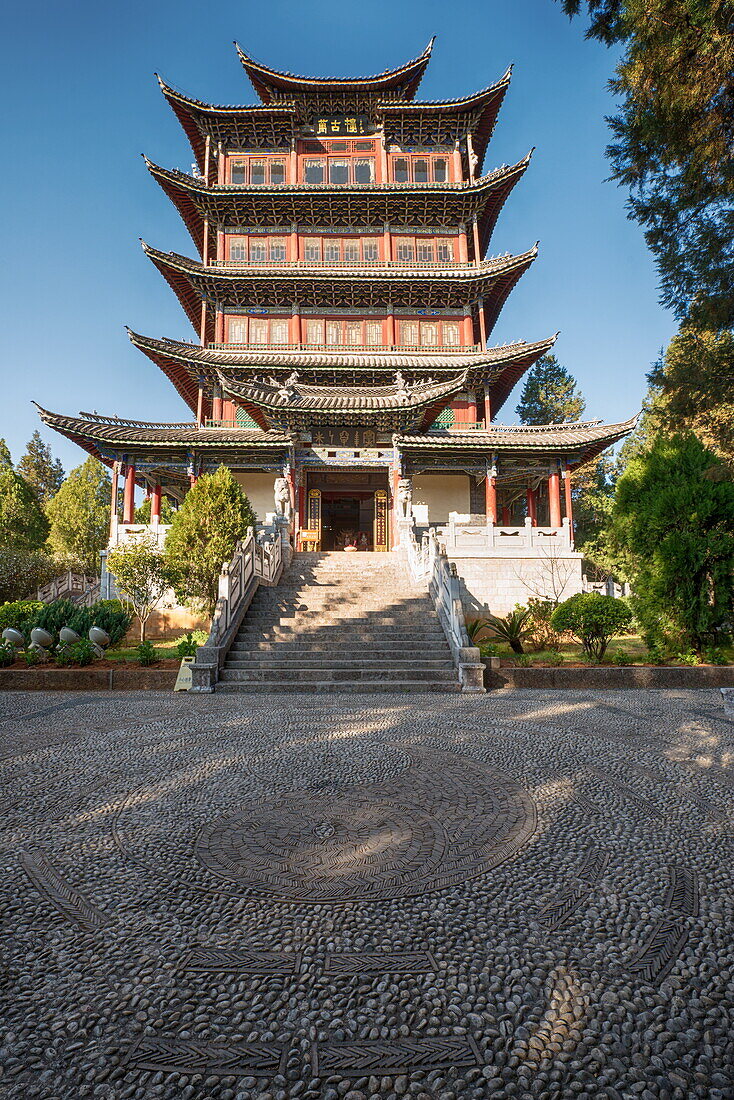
550, 395
23, 526
41, 470
204, 533
80, 517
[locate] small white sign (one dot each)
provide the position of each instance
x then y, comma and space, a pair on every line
184, 679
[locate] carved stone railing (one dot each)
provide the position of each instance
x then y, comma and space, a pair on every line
120, 532
465, 534
428, 564
253, 563
79, 588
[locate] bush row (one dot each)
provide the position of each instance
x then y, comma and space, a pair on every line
24, 615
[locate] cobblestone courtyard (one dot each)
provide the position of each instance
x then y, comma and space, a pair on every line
522, 894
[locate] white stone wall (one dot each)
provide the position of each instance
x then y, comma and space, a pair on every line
258, 486
495, 584
441, 493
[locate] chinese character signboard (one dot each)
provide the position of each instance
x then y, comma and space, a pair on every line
344, 437
340, 126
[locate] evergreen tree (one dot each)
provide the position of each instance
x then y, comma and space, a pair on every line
549, 395
204, 533
142, 512
41, 470
672, 141
80, 517
673, 524
6, 462
23, 526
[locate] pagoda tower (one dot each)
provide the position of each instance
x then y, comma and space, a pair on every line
342, 299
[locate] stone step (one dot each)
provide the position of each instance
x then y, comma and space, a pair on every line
316, 675
377, 651
386, 687
296, 660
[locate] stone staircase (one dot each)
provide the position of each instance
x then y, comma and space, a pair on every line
340, 622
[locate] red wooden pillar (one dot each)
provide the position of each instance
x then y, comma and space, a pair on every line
219, 327
490, 489
487, 406
532, 508
463, 246
155, 503
465, 409
475, 237
295, 328
113, 496
482, 324
505, 516
468, 331
458, 168
293, 252
554, 498
200, 405
128, 505
217, 404
390, 334
293, 165
569, 505
386, 244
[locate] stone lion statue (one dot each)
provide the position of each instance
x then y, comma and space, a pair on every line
282, 496
405, 497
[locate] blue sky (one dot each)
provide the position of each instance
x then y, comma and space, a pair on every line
76, 195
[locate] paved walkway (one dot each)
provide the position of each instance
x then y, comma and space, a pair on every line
440, 898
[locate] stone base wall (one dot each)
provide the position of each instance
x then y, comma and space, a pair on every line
495, 584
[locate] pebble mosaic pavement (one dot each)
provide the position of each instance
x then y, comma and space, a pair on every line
240, 898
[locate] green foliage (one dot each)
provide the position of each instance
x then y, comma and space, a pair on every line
145, 654
620, 657
713, 655
41, 470
80, 516
81, 653
6, 461
523, 660
7, 654
22, 572
513, 628
554, 658
673, 523
187, 646
141, 573
487, 650
18, 613
26, 614
672, 141
203, 537
542, 635
550, 395
110, 616
142, 512
32, 658
695, 382
594, 619
475, 627
23, 525
688, 658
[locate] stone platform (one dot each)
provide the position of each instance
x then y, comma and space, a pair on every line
444, 898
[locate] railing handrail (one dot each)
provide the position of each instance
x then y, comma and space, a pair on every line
346, 349
429, 563
453, 265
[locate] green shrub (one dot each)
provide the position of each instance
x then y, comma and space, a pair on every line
620, 657
592, 618
17, 613
111, 616
7, 654
32, 658
24, 571
52, 616
714, 656
512, 628
656, 653
187, 646
523, 660
488, 649
81, 652
542, 635
474, 628
554, 658
145, 653
688, 658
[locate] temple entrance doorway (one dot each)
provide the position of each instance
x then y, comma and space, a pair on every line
349, 509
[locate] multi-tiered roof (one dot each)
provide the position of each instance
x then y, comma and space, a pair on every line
275, 390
